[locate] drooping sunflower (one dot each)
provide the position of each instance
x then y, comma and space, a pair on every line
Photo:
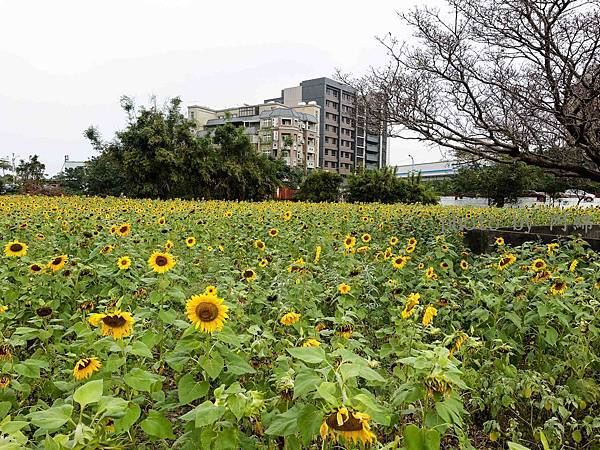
35, 268
107, 249
573, 265
44, 311
551, 247
347, 425
161, 262
344, 289
85, 367
311, 343
124, 263
558, 288
249, 275
207, 312
57, 263
345, 331
430, 273
118, 324
4, 381
124, 229
430, 313
290, 318
409, 307
15, 249
190, 241
542, 276
538, 265
458, 344
5, 352
318, 250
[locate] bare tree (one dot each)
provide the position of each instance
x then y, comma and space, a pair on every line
500, 80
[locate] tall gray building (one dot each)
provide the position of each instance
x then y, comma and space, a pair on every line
346, 141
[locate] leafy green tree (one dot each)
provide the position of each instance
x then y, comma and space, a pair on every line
500, 183
238, 171
152, 151
320, 186
72, 180
382, 185
31, 174
103, 176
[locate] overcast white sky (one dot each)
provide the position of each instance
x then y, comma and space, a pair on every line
65, 64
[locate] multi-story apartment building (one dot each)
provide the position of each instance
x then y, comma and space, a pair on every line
347, 139
277, 130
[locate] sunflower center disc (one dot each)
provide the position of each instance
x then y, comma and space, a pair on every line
83, 364
56, 261
161, 261
114, 321
351, 424
207, 311
16, 248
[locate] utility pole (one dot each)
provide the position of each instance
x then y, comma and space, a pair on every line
413, 163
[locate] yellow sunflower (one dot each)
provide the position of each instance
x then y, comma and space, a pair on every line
107, 249
161, 221
410, 248
430, 273
290, 318
35, 268
558, 288
161, 262
400, 261
57, 263
124, 263
464, 265
430, 313
207, 312
393, 241
85, 367
318, 250
349, 241
118, 324
249, 275
573, 265
15, 249
551, 247
347, 425
538, 265
273, 232
366, 238
260, 245
542, 276
210, 290
499, 241
123, 230
5, 353
311, 343
3, 309
168, 245
263, 263
409, 307
344, 288
506, 261
190, 241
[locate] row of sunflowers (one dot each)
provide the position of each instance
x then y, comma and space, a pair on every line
150, 324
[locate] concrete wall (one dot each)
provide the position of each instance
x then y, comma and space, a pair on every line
522, 202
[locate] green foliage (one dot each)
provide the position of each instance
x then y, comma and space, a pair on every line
159, 155
320, 186
384, 186
30, 174
499, 183
72, 180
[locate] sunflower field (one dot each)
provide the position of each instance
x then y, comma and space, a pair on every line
146, 324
